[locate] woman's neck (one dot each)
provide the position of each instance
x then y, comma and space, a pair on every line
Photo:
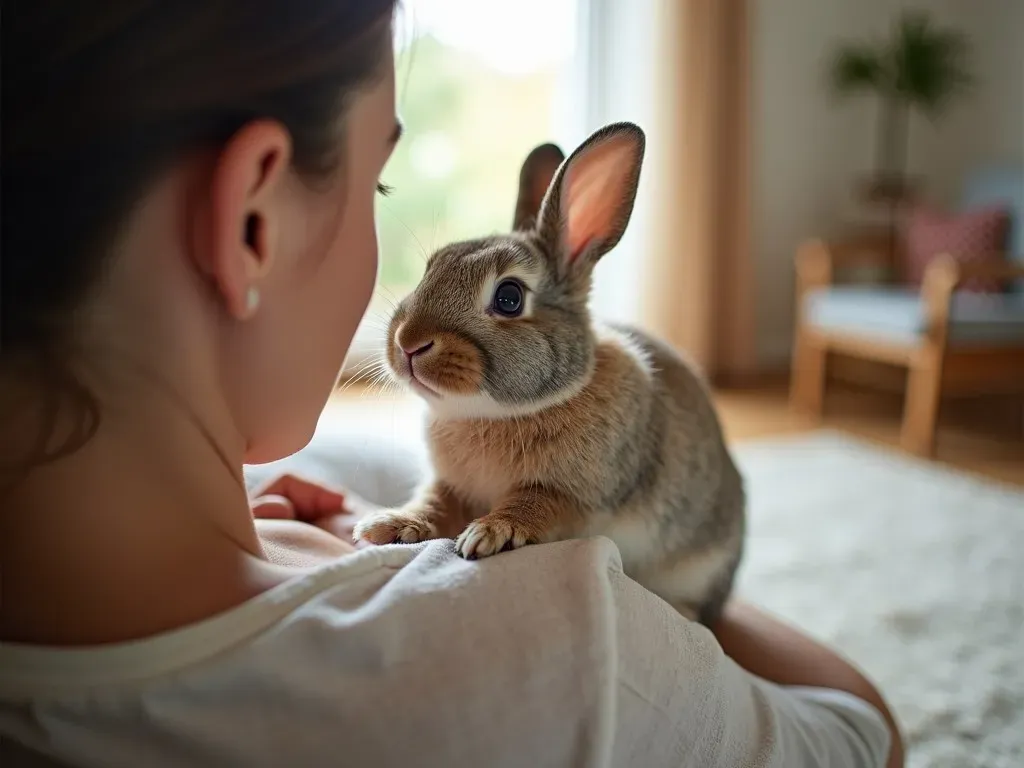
144, 529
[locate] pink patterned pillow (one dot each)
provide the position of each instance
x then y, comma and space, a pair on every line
969, 237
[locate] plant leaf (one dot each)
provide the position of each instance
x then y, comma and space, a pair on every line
930, 63
858, 67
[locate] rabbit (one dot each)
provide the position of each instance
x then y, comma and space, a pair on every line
544, 425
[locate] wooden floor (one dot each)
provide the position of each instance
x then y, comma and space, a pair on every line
985, 438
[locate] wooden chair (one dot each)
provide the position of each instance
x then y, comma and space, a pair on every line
950, 342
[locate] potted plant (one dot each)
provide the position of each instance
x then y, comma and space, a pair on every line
920, 67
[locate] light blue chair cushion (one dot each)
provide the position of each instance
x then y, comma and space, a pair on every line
1000, 186
897, 315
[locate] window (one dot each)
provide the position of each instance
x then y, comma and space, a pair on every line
479, 85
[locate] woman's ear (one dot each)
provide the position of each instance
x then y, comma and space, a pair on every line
538, 170
236, 247
591, 198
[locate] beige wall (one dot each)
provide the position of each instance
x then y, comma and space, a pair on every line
807, 150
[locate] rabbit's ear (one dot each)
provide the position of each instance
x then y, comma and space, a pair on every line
588, 206
538, 170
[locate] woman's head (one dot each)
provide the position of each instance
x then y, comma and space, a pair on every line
188, 193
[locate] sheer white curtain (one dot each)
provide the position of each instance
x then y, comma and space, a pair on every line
613, 79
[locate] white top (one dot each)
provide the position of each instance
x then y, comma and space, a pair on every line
411, 656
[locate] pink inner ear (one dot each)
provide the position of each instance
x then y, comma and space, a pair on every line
594, 188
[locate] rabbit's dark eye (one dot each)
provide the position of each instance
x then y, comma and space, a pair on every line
508, 299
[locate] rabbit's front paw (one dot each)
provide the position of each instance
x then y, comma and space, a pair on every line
492, 534
394, 526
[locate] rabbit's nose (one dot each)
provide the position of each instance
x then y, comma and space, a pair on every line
417, 349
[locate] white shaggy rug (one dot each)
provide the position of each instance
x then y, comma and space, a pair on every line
913, 571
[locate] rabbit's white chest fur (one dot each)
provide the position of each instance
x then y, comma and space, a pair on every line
485, 461
480, 480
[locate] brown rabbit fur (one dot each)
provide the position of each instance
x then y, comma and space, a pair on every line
543, 424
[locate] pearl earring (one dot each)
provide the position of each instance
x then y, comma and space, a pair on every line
252, 300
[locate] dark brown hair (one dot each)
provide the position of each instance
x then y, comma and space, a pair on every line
100, 97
